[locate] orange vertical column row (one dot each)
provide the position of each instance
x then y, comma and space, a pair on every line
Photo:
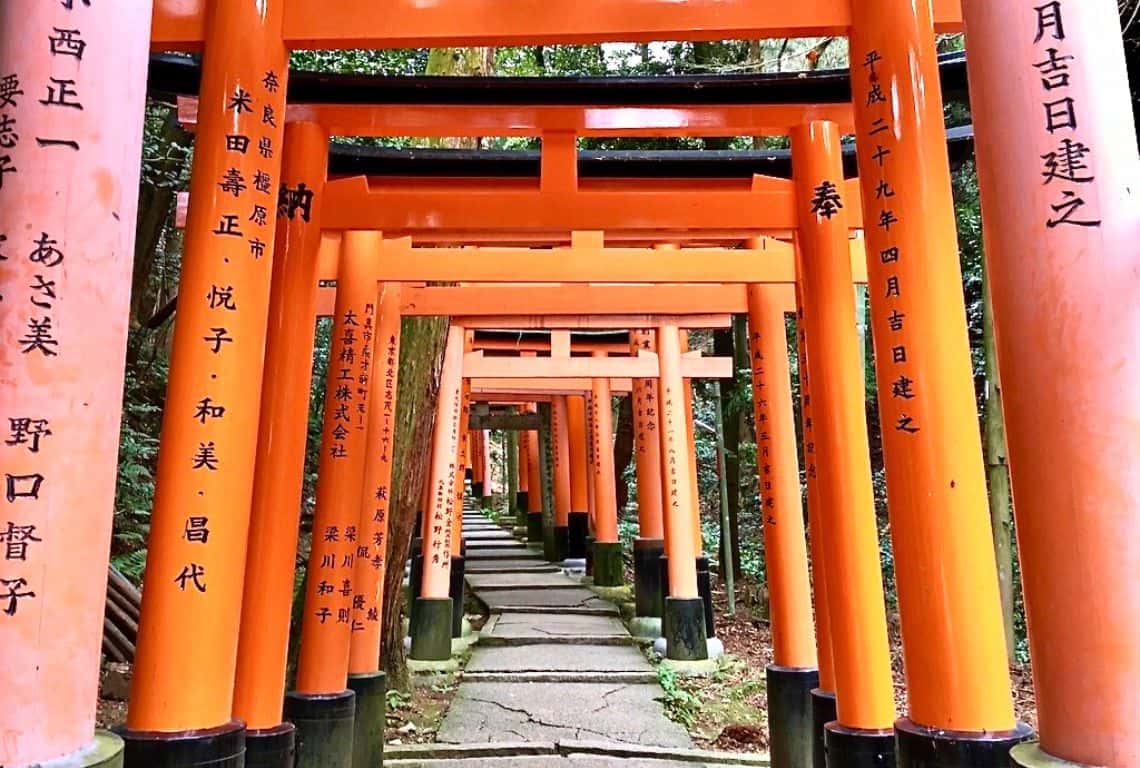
523, 469
578, 522
204, 485
279, 474
1060, 188
365, 676
793, 674
823, 697
683, 619
326, 624
534, 484
649, 545
68, 198
560, 441
609, 567
953, 641
376, 494
431, 617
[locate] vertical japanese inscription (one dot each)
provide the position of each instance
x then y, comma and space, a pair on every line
1067, 168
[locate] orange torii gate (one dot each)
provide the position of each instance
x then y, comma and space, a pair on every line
1051, 69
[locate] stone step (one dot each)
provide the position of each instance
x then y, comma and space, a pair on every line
500, 581
545, 601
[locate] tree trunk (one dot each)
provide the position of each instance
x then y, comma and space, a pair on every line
623, 450
724, 346
997, 473
421, 360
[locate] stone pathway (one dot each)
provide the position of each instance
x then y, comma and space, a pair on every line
555, 680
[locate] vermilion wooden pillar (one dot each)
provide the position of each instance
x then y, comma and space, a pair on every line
609, 567
683, 620
321, 696
534, 483
560, 437
431, 617
278, 477
68, 198
953, 641
793, 674
199, 526
578, 522
1060, 188
823, 702
365, 672
649, 546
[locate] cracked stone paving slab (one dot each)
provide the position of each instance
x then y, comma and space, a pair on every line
559, 658
555, 625
626, 714
551, 598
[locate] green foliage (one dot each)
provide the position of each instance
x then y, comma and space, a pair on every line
681, 705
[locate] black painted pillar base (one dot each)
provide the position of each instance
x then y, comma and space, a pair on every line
222, 747
456, 591
590, 556
857, 748
486, 504
579, 525
371, 691
922, 747
416, 572
476, 490
271, 747
609, 567
704, 589
324, 728
534, 527
561, 543
648, 594
790, 735
822, 712
522, 503
430, 628
684, 625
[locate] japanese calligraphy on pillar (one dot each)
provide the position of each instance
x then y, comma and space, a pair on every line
645, 399
371, 549
337, 535
41, 124
806, 408
1067, 168
881, 140
765, 454
676, 446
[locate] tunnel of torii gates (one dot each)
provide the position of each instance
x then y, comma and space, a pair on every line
1058, 173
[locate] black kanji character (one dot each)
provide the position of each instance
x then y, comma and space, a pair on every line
268, 116
9, 90
1054, 71
1066, 163
206, 457
28, 432
906, 424
1068, 208
241, 101
235, 142
221, 297
1059, 114
902, 388
67, 42
14, 594
233, 182
39, 337
898, 354
826, 201
262, 182
62, 97
1049, 18
17, 539
228, 226
192, 573
219, 338
8, 135
206, 409
270, 81
257, 248
197, 530
23, 486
